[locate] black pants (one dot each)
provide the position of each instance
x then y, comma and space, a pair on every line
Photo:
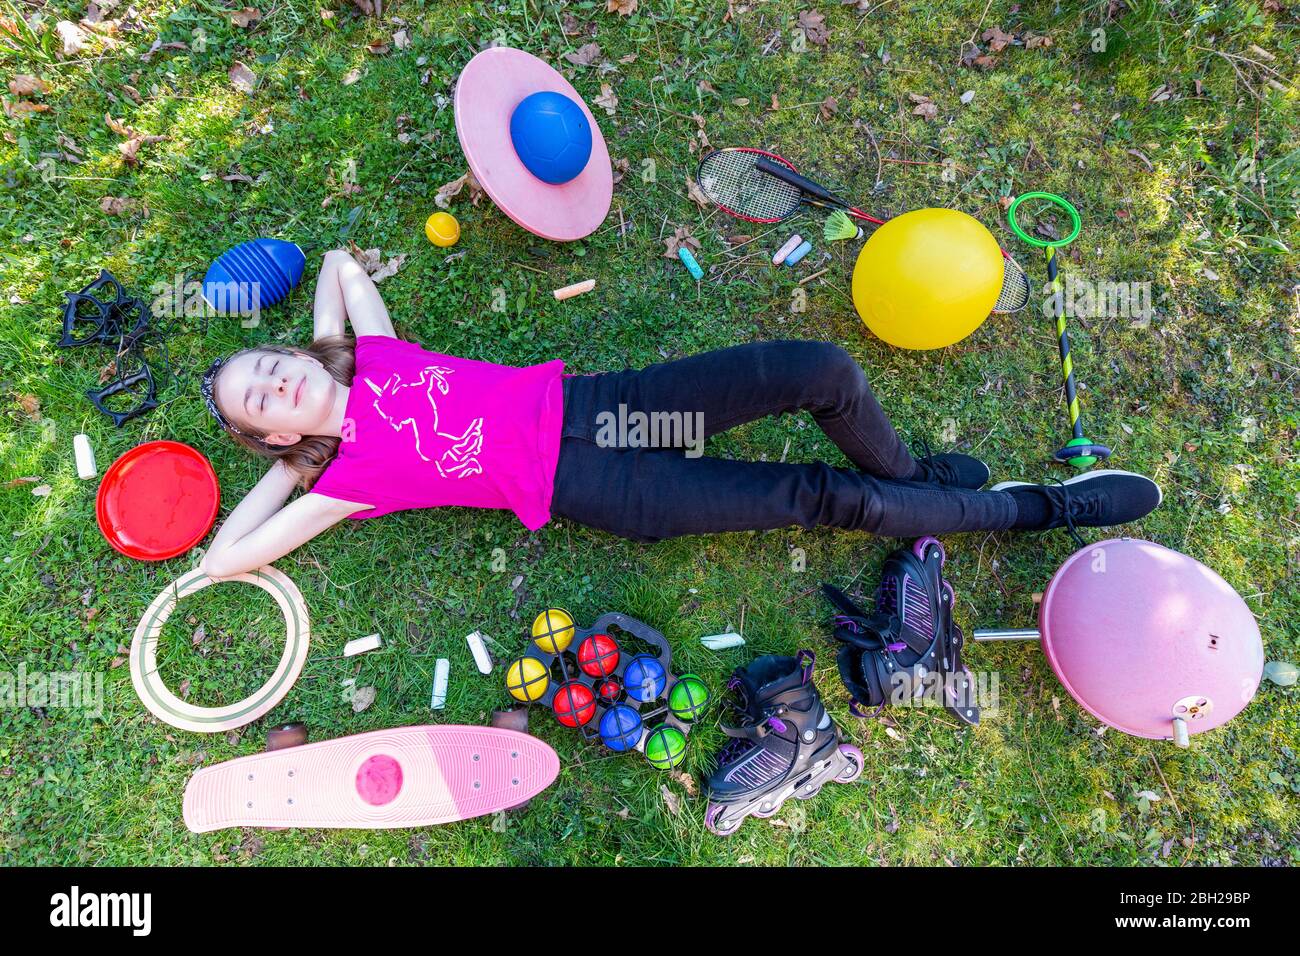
652, 493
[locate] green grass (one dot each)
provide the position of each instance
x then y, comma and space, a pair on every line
1203, 398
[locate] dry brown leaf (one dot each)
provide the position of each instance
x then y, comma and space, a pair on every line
15, 482
377, 48
242, 78
449, 191
116, 205
72, 38
351, 76
671, 800
607, 99
621, 166
624, 8
19, 107
585, 55
681, 237
696, 194
388, 269
246, 17
813, 25
686, 780
926, 111
31, 406
362, 699
1038, 42
984, 62
996, 39
828, 107
402, 40
24, 84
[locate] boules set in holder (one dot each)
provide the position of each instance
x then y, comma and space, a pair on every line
599, 682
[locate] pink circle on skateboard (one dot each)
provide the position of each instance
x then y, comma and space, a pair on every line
379, 780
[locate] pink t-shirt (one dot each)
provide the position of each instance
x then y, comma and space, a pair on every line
424, 430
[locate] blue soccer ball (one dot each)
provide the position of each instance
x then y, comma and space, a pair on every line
551, 134
645, 678
620, 727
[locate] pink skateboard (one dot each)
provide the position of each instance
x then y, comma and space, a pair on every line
405, 777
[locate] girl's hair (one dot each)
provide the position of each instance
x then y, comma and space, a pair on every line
308, 457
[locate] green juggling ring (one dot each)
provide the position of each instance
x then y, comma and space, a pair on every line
1079, 451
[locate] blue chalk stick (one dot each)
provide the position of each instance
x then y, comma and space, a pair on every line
688, 260
804, 248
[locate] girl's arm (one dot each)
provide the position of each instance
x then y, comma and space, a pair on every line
263, 528
329, 312
345, 292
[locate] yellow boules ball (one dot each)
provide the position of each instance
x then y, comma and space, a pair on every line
553, 630
927, 278
526, 679
442, 229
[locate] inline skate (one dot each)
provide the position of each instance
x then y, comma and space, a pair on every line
909, 649
784, 745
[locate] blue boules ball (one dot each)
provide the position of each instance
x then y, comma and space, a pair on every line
620, 728
552, 136
645, 678
253, 275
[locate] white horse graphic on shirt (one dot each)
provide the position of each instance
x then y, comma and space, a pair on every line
411, 407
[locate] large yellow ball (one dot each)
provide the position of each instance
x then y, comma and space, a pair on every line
553, 630
927, 278
442, 229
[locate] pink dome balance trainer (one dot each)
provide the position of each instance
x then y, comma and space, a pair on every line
1147, 640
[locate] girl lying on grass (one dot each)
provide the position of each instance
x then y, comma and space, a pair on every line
380, 425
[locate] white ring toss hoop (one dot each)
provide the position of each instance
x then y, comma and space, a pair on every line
169, 708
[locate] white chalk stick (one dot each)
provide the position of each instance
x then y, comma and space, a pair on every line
482, 660
440, 671
362, 644
720, 642
85, 457
569, 291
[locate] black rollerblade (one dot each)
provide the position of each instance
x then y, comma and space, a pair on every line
785, 745
910, 647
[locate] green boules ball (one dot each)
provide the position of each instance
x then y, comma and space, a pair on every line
688, 697
665, 747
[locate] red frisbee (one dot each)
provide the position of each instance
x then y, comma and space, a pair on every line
157, 501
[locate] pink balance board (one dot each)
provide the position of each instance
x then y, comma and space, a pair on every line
405, 777
492, 84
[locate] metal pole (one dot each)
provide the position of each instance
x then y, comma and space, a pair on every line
1007, 634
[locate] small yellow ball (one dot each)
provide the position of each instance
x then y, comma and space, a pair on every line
442, 229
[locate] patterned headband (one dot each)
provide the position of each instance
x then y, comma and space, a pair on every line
205, 389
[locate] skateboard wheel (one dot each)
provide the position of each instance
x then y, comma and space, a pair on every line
285, 736
513, 718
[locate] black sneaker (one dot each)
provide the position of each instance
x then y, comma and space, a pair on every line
1095, 499
959, 471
